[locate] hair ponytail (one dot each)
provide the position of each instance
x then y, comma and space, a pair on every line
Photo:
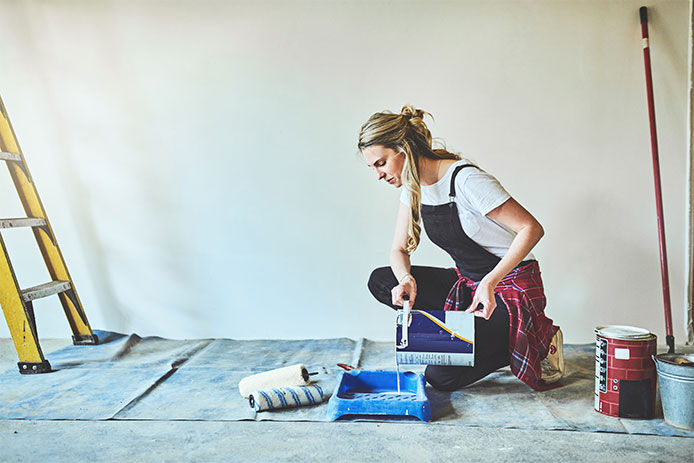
405, 133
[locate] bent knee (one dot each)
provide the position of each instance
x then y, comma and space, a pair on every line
442, 378
381, 283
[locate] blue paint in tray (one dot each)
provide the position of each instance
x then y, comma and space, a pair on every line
365, 394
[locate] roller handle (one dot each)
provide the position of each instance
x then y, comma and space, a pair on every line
669, 338
305, 374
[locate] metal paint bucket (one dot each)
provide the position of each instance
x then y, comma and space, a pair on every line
625, 375
676, 389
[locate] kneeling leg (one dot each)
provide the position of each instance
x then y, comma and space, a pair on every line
491, 353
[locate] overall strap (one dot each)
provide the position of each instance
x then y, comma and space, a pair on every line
451, 195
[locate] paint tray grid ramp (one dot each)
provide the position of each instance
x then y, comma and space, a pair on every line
374, 395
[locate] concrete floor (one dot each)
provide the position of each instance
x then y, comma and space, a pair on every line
141, 441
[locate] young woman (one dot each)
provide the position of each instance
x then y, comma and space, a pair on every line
489, 235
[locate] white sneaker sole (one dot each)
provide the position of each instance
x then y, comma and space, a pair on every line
560, 350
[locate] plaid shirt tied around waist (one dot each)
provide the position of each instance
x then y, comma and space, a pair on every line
530, 331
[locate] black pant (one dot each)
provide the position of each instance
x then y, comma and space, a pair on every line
491, 336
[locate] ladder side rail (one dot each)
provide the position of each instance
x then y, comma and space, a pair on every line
48, 245
22, 328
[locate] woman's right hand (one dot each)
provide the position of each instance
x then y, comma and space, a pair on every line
408, 286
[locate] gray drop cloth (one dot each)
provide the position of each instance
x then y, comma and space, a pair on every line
128, 377
92, 382
206, 387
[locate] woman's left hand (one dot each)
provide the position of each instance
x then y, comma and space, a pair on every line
484, 294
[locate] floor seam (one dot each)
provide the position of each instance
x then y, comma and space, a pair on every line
175, 365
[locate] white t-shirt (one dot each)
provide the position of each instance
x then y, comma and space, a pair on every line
476, 194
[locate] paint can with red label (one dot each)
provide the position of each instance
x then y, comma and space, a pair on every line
625, 374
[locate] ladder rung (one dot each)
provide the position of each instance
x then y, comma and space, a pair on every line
23, 222
45, 290
10, 156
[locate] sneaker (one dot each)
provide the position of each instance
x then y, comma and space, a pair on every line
553, 364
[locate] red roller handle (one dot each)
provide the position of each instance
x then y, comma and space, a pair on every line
670, 339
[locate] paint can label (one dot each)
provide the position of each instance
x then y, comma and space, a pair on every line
437, 337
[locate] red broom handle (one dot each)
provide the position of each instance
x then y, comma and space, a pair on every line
670, 339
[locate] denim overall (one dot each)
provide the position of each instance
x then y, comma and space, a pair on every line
442, 226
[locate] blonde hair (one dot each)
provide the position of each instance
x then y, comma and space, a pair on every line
405, 133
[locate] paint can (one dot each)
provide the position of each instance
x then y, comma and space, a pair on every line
625, 374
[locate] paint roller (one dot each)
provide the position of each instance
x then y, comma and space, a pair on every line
293, 375
286, 397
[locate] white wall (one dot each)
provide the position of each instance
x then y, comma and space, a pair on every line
198, 159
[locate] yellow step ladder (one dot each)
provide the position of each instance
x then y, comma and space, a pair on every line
17, 303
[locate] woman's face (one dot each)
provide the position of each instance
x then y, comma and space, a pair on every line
387, 163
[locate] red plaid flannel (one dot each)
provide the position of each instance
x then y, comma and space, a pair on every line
531, 331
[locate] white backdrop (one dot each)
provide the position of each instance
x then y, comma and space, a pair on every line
198, 159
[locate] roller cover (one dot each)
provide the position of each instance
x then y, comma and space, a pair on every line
286, 397
294, 375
